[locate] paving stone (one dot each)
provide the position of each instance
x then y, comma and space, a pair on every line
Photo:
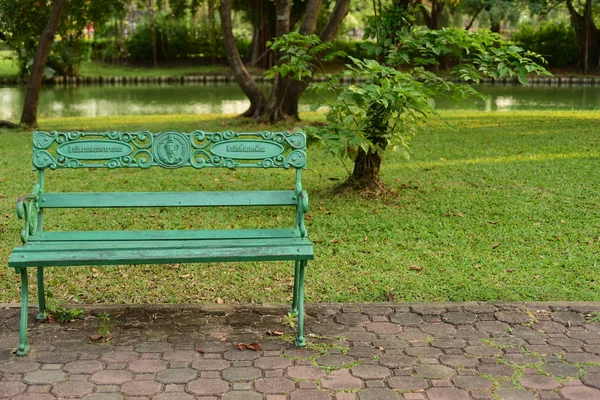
413, 335
434, 371
181, 355
496, 370
508, 341
370, 372
147, 366
539, 382
444, 393
274, 385
83, 367
104, 396
241, 374
561, 369
364, 352
407, 383
424, 351
492, 326
211, 365
177, 375
334, 360
460, 318
269, 363
406, 319
206, 387
514, 394
391, 343
11, 389
512, 317
439, 329
185, 396
327, 329
448, 343
579, 393
383, 328
141, 388
482, 350
568, 318
397, 361
111, 377
44, 377
57, 358
582, 358
153, 347
428, 309
237, 355
73, 389
544, 350
549, 327
592, 379
520, 358
305, 372
360, 336
310, 394
33, 396
353, 319
19, 367
341, 380
345, 396
378, 394
459, 361
472, 383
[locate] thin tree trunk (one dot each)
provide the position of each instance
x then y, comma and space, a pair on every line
258, 101
32, 95
588, 36
213, 32
308, 26
479, 10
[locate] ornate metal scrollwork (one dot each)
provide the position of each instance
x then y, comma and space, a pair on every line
28, 209
169, 149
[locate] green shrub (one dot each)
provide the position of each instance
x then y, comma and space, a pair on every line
555, 41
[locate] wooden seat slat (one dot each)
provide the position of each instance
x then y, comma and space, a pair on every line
82, 236
155, 244
160, 256
168, 199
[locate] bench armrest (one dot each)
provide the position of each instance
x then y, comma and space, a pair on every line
28, 209
301, 209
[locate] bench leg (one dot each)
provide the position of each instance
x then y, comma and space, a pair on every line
42, 315
294, 309
23, 345
300, 342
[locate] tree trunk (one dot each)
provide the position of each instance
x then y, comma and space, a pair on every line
213, 31
32, 95
365, 174
296, 88
588, 36
258, 101
263, 30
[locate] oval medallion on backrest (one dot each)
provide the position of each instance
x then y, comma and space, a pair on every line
247, 149
94, 149
171, 149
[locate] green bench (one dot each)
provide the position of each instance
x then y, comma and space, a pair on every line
170, 149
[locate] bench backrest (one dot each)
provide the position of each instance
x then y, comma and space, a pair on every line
169, 149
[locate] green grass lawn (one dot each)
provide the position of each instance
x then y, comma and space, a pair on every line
505, 208
8, 67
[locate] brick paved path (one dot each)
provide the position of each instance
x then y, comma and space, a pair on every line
357, 351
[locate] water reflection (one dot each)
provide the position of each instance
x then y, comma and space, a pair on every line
98, 101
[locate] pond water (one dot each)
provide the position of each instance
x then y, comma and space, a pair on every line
97, 101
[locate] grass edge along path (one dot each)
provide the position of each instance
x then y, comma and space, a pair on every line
506, 207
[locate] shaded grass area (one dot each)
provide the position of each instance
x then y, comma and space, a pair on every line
505, 208
95, 68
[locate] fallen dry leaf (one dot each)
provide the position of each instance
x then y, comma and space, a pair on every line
201, 351
251, 346
510, 270
275, 333
219, 300
391, 295
334, 241
477, 266
95, 338
415, 268
495, 245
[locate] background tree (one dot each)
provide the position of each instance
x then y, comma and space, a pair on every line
31, 35
283, 100
399, 93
